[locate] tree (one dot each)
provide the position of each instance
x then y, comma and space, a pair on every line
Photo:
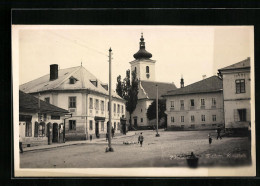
129, 91
151, 112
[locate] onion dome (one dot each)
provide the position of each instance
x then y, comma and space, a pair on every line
142, 53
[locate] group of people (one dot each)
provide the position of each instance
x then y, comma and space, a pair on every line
218, 136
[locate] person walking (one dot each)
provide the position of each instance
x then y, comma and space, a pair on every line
210, 139
113, 132
20, 144
141, 139
218, 131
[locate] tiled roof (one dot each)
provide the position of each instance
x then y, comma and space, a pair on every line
62, 83
148, 89
29, 103
242, 64
211, 84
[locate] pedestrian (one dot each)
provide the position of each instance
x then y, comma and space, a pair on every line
141, 139
210, 139
90, 137
113, 132
21, 144
106, 136
218, 131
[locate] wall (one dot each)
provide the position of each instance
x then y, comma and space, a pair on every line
196, 111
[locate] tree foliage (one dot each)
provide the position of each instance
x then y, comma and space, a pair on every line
151, 112
128, 89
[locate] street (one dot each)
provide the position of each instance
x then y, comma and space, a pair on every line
168, 150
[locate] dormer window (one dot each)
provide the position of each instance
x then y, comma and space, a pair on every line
94, 82
73, 80
105, 86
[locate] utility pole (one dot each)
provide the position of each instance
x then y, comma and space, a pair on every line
157, 135
110, 149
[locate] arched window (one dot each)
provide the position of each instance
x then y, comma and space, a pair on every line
135, 69
147, 69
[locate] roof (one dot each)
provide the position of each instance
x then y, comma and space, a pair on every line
29, 103
148, 89
211, 84
83, 77
240, 65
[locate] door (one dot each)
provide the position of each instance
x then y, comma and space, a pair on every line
135, 122
97, 129
55, 133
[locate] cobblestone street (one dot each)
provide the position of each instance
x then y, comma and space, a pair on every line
168, 150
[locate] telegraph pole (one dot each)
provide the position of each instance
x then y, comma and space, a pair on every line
157, 135
110, 149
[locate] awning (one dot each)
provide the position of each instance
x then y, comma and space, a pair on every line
100, 118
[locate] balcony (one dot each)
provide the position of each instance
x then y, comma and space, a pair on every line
202, 107
213, 107
72, 110
182, 108
191, 107
172, 109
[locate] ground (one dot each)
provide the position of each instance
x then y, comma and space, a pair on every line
168, 150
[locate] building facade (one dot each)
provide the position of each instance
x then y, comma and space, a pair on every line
237, 95
39, 121
144, 67
197, 106
79, 91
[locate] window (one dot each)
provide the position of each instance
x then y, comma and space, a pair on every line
102, 106
118, 108
28, 129
202, 102
182, 104
72, 124
72, 80
72, 102
214, 118
135, 69
192, 118
192, 102
41, 129
202, 117
91, 103
122, 109
142, 120
114, 107
102, 125
214, 102
242, 114
114, 125
90, 125
147, 69
44, 117
97, 104
182, 119
240, 86
172, 119
118, 126
47, 100
172, 104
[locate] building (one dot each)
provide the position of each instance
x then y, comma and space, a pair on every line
36, 118
87, 98
236, 91
144, 67
197, 106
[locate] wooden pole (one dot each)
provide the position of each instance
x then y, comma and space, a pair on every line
110, 103
157, 135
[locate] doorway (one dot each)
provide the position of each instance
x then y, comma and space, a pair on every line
135, 122
55, 137
97, 129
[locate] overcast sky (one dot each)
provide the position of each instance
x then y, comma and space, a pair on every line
191, 51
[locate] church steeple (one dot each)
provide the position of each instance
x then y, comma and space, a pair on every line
142, 53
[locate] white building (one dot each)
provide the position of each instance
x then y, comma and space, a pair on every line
145, 71
236, 90
197, 106
87, 98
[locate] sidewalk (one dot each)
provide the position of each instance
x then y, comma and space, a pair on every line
68, 143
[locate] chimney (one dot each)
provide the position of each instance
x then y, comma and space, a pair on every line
204, 76
182, 82
53, 72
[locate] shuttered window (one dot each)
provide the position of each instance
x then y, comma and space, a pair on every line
28, 129
36, 129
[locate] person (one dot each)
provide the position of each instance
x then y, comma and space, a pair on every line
20, 144
141, 139
90, 137
113, 132
106, 136
210, 139
218, 131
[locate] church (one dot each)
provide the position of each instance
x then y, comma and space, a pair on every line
144, 67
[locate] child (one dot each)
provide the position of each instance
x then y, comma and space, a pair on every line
210, 139
141, 139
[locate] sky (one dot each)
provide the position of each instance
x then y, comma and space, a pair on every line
188, 51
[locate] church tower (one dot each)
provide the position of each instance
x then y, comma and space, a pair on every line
143, 65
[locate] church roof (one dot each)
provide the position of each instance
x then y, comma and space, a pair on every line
29, 103
211, 84
147, 89
142, 53
240, 65
84, 81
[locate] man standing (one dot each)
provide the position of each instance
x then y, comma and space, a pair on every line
141, 139
218, 131
20, 144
